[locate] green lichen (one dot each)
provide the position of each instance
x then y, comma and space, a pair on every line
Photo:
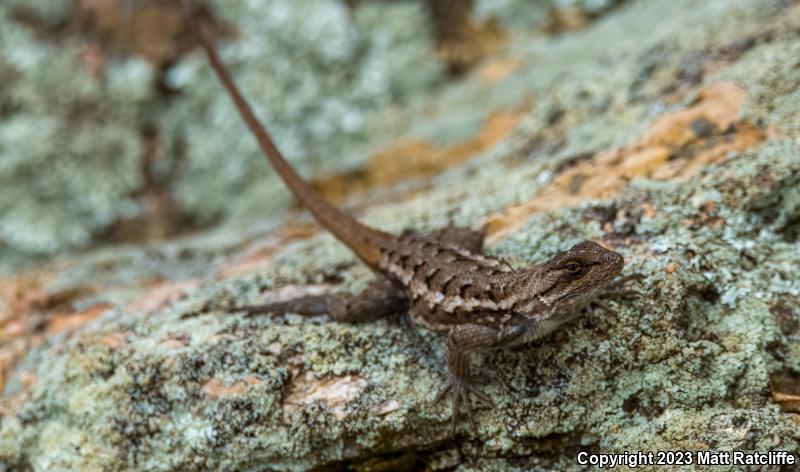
69, 144
316, 73
688, 364
314, 70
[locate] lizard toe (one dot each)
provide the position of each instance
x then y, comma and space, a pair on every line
460, 389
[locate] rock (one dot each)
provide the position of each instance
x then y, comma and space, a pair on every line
125, 357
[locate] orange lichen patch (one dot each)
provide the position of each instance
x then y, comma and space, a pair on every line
13, 329
419, 158
153, 29
707, 215
788, 402
248, 263
174, 342
61, 322
21, 294
496, 70
334, 392
336, 187
216, 388
567, 19
24, 306
462, 42
162, 295
647, 210
112, 340
28, 310
11, 404
10, 354
675, 147
258, 253
404, 160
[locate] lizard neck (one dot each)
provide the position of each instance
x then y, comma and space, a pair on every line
367, 243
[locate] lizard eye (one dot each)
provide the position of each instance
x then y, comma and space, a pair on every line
574, 269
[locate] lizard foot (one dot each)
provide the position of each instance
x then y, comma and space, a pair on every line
460, 388
617, 289
620, 288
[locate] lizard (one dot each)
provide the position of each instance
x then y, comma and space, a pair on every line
441, 279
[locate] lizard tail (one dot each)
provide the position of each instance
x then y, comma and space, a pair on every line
362, 240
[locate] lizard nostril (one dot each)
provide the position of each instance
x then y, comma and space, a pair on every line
615, 259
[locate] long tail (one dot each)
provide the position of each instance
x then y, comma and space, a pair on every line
362, 240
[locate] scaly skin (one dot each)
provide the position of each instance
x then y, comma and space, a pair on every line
441, 279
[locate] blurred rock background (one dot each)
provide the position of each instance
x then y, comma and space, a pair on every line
134, 207
105, 106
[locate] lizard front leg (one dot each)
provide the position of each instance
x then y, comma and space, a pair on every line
461, 341
619, 288
381, 298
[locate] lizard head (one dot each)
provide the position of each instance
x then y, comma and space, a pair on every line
571, 278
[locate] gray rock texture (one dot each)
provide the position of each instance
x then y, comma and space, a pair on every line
667, 130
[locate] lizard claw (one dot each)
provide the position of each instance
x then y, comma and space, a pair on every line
460, 389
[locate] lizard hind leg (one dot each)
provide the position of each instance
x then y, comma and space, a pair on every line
381, 298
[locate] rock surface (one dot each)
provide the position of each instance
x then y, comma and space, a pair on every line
668, 130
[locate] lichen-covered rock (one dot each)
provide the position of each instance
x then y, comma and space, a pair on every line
316, 72
671, 135
69, 145
90, 130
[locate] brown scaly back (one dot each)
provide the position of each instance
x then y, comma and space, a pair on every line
364, 241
